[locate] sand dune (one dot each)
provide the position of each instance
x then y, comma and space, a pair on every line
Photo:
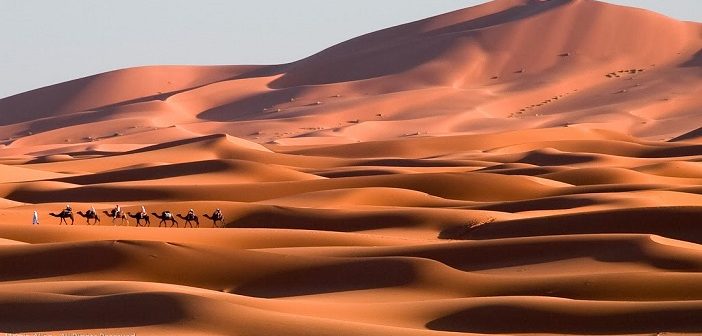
518, 167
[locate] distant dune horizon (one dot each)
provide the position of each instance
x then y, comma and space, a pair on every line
516, 167
132, 33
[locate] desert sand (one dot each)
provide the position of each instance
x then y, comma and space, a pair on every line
518, 167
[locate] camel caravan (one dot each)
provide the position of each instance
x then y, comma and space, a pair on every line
117, 214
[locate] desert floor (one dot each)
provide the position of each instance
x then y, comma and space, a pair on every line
461, 181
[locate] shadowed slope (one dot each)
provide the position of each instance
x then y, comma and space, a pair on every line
502, 169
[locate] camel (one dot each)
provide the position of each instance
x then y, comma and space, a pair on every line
88, 216
165, 216
121, 215
189, 218
215, 218
139, 216
63, 215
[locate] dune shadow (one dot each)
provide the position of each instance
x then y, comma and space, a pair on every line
150, 173
551, 203
681, 223
513, 319
31, 262
26, 107
255, 107
531, 171
543, 159
339, 277
355, 173
280, 218
695, 61
205, 140
479, 257
511, 14
678, 151
400, 162
688, 136
253, 71
323, 68
87, 194
113, 311
383, 48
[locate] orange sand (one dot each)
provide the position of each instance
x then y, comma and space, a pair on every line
519, 167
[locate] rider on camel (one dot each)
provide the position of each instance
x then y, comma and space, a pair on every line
116, 211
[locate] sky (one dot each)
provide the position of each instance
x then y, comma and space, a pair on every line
47, 41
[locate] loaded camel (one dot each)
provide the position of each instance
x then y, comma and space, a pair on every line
139, 216
120, 214
189, 218
165, 216
63, 215
217, 216
89, 215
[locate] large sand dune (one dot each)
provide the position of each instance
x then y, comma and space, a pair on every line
519, 167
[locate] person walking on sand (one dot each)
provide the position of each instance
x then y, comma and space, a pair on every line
35, 218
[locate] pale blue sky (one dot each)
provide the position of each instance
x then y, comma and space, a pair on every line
50, 41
